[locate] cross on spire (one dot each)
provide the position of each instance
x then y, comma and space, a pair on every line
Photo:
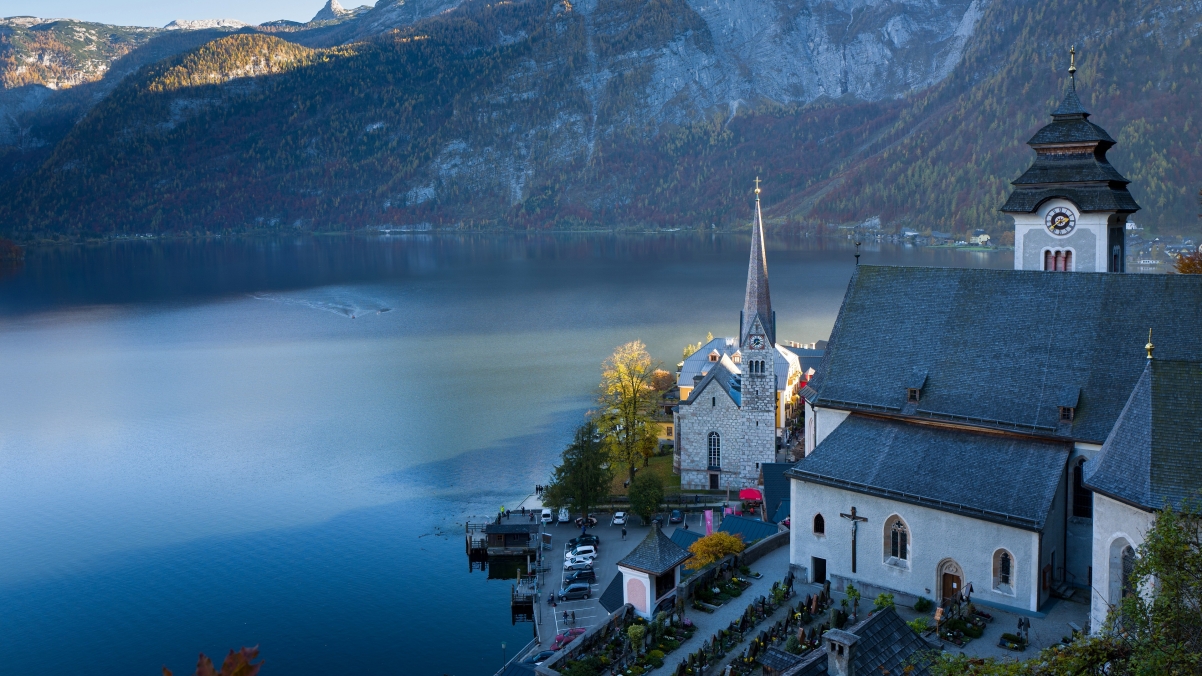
1072, 66
757, 187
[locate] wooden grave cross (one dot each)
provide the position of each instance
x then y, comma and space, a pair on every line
854, 522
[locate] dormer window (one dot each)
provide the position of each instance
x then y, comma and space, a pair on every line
715, 356
1067, 402
914, 385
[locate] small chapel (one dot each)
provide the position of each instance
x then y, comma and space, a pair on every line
736, 393
1012, 432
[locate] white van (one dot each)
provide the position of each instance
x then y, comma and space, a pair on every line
564, 517
546, 518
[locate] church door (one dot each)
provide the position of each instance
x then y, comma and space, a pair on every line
951, 585
819, 567
713, 482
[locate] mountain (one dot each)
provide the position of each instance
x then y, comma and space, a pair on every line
553, 113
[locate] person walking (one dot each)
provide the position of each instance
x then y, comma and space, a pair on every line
565, 616
573, 618
623, 532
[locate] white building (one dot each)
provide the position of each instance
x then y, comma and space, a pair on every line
736, 393
963, 416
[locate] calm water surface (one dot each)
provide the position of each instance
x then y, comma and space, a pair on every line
205, 445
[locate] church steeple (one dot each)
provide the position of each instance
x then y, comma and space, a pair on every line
757, 303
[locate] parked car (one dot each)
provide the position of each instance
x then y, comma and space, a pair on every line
619, 519
577, 560
539, 658
547, 516
564, 517
587, 575
676, 516
576, 590
581, 550
589, 539
569, 566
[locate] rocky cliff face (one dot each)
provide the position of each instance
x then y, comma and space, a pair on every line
587, 112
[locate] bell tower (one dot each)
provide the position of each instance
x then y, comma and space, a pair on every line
1070, 207
757, 344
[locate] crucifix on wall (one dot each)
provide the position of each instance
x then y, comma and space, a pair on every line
855, 521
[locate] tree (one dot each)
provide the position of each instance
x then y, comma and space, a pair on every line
1189, 264
627, 403
714, 547
235, 664
583, 477
662, 381
646, 493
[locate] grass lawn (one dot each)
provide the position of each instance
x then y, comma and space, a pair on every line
660, 464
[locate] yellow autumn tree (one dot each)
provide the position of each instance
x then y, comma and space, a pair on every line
714, 547
1189, 264
627, 402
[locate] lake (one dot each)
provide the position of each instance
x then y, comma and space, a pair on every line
208, 444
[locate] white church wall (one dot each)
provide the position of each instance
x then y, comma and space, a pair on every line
825, 422
1079, 534
1115, 525
1087, 241
935, 538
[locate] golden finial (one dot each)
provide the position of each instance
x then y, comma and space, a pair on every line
1149, 347
757, 186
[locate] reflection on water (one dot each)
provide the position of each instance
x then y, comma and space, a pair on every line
208, 444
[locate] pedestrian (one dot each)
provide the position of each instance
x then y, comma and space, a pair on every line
623, 532
686, 524
573, 618
565, 616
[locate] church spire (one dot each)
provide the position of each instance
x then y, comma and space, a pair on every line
757, 303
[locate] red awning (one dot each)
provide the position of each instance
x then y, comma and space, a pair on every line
750, 494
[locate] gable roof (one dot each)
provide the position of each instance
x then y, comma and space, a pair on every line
885, 645
699, 364
725, 373
1153, 457
656, 554
685, 538
999, 346
951, 470
751, 530
776, 486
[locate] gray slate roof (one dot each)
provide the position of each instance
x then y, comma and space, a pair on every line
1081, 174
698, 363
776, 486
725, 374
757, 302
1154, 455
611, 598
999, 346
684, 538
808, 359
946, 469
886, 645
656, 554
751, 530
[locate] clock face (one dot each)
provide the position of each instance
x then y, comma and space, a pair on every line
1060, 221
757, 342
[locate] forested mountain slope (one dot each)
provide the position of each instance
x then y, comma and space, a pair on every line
541, 113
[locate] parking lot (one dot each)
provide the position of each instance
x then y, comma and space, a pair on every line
610, 550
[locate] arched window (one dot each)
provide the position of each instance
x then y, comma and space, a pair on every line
1003, 572
1082, 496
819, 524
1056, 260
715, 446
897, 541
1128, 571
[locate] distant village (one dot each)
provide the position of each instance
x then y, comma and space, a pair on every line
978, 467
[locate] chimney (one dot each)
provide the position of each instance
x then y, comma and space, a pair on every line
697, 379
840, 652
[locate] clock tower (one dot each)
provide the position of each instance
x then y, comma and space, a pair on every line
1071, 206
757, 346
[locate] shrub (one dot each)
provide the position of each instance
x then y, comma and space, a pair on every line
792, 645
883, 601
919, 624
636, 632
589, 666
656, 654
923, 604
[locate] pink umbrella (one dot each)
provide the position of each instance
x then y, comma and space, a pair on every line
750, 494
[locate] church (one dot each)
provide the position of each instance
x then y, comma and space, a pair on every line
1010, 430
736, 393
